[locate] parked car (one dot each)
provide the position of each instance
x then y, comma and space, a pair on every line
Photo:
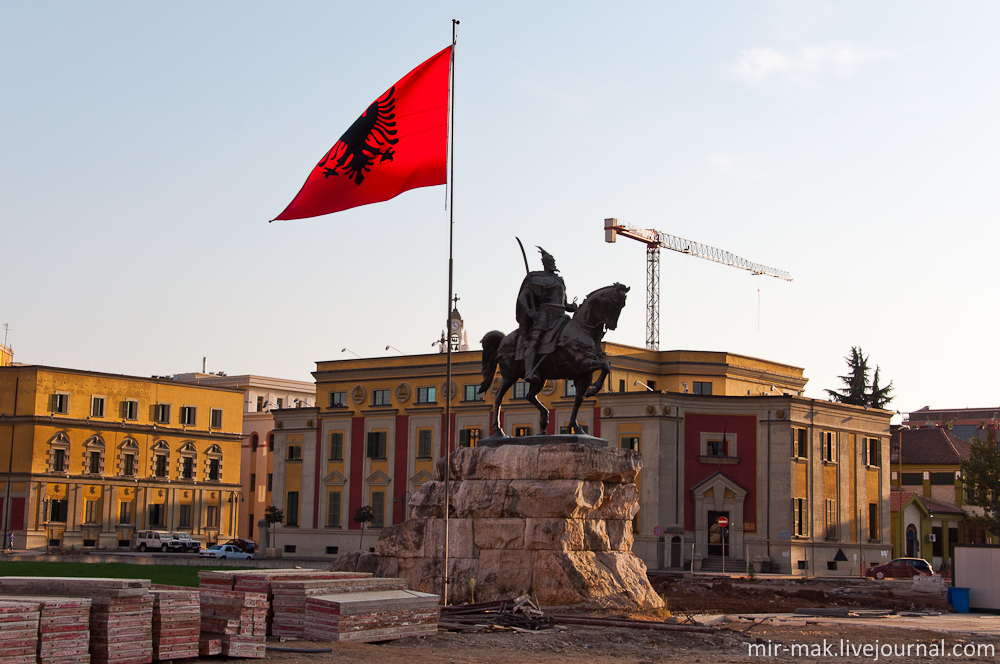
901, 568
245, 545
182, 542
155, 540
223, 551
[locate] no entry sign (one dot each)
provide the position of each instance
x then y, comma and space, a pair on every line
723, 522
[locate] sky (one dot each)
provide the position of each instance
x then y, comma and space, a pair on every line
145, 146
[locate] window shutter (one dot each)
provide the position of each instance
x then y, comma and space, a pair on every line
796, 523
372, 451
878, 451
864, 449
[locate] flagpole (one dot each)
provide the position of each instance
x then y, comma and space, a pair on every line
451, 271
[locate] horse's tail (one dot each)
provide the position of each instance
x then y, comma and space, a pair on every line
491, 344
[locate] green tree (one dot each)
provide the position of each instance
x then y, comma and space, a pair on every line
857, 390
273, 515
363, 515
981, 476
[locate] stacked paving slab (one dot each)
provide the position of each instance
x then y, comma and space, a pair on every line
553, 520
63, 629
376, 615
176, 623
239, 618
19, 632
120, 614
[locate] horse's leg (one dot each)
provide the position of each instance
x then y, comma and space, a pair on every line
596, 386
505, 383
534, 388
581, 383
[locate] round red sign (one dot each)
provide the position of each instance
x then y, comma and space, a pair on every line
723, 522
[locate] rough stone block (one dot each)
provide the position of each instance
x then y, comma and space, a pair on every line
428, 501
508, 462
619, 534
499, 534
552, 498
403, 540
587, 462
504, 574
553, 534
479, 498
621, 501
629, 574
595, 535
460, 540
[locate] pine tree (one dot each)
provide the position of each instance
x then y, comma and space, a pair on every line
855, 390
363, 515
879, 397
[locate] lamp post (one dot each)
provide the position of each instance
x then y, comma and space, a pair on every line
235, 498
406, 504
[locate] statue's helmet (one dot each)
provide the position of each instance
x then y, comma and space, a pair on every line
548, 261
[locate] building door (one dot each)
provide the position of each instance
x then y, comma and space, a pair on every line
715, 541
911, 542
675, 552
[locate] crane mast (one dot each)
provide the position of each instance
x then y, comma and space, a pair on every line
654, 240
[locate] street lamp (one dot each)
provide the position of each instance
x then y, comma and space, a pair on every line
406, 504
235, 498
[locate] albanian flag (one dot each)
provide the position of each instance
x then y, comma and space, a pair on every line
398, 143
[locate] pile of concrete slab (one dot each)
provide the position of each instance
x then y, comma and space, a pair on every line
240, 618
18, 632
63, 632
176, 623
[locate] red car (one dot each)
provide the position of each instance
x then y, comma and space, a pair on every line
244, 545
901, 568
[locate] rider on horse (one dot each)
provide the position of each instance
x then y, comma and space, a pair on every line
541, 313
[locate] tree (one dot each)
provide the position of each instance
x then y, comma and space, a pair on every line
856, 390
273, 515
981, 476
363, 515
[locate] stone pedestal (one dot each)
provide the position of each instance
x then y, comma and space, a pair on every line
551, 519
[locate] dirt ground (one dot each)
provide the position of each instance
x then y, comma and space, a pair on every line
600, 645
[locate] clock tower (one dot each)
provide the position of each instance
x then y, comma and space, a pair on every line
457, 336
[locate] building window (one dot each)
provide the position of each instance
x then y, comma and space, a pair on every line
125, 513
832, 521
469, 437
337, 446
59, 460
58, 509
380, 398
424, 443
715, 448
652, 385
569, 388
874, 532
338, 399
184, 518
97, 406
800, 517
60, 403
270, 442
828, 446
128, 465
702, 387
871, 451
254, 441
189, 416
333, 509
156, 515
471, 393
521, 390
800, 443
260, 404
292, 509
253, 484
270, 481
213, 470
295, 453
378, 509
161, 413
212, 516
94, 465
187, 468
426, 395
583, 427
281, 402
376, 445
90, 512
216, 418
942, 479
630, 443
621, 385
161, 465
522, 431
130, 409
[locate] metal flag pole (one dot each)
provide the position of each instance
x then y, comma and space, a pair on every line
451, 272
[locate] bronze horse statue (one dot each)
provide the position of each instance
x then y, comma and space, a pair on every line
577, 356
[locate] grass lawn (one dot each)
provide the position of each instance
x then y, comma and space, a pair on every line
175, 575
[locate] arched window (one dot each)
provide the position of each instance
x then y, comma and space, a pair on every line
128, 458
213, 463
187, 460
159, 460
93, 456
59, 453
270, 441
912, 542
254, 441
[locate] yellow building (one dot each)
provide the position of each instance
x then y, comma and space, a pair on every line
6, 356
92, 457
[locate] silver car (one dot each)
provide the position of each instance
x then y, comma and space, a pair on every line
223, 551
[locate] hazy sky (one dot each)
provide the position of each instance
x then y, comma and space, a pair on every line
143, 148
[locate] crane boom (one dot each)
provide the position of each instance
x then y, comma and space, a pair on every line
654, 240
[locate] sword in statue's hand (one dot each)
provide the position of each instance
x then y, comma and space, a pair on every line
531, 291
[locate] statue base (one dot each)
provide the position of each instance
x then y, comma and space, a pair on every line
545, 439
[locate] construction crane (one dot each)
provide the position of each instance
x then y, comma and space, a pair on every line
654, 240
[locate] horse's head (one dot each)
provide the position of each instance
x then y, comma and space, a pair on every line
603, 306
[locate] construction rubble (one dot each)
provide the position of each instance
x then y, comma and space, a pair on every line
45, 620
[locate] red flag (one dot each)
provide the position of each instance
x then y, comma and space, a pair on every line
398, 143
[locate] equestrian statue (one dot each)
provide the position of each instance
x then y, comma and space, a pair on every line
548, 344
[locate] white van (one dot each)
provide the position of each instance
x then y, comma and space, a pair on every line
155, 540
